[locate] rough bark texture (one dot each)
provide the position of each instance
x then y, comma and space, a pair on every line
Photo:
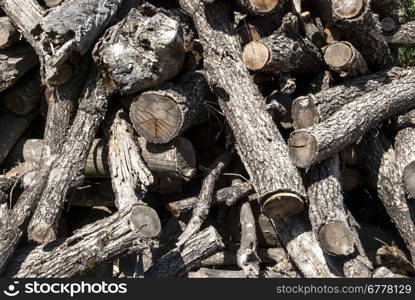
160, 115
259, 144
403, 36
141, 52
89, 247
311, 109
215, 273
405, 158
386, 8
383, 168
320, 141
406, 120
181, 259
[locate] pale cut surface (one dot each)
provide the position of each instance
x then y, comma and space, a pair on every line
348, 9
255, 55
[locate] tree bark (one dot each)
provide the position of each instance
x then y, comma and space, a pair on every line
386, 8
320, 141
258, 7
260, 146
89, 247
160, 115
403, 36
405, 158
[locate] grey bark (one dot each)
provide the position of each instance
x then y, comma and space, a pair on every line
215, 273
405, 158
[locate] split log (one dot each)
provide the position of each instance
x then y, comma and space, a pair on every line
311, 109
344, 59
320, 141
181, 259
282, 53
248, 259
405, 158
228, 196
160, 115
259, 144
215, 273
66, 172
361, 28
176, 159
14, 63
8, 33
402, 36
141, 52
89, 247
257, 7
383, 168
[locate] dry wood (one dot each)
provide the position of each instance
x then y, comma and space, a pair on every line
311, 30
406, 120
402, 36
313, 144
215, 273
257, 7
160, 115
260, 146
8, 33
89, 247
405, 158
386, 8
180, 260
311, 109
141, 52
344, 59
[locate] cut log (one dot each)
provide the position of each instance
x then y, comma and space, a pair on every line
405, 157
160, 115
14, 63
282, 53
8, 33
259, 144
344, 59
382, 166
66, 173
141, 52
181, 259
257, 7
320, 141
361, 28
402, 36
89, 247
311, 109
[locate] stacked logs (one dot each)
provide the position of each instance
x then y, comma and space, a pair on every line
245, 138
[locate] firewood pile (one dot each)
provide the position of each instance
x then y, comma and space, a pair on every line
206, 138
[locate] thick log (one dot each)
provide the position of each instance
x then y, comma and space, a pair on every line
360, 27
259, 144
257, 7
282, 53
248, 259
14, 63
402, 36
344, 59
141, 52
320, 141
181, 259
311, 109
215, 273
160, 115
8, 33
66, 173
405, 158
89, 247
25, 95
382, 166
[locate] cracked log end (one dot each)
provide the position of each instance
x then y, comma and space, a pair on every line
145, 220
155, 117
41, 233
408, 178
336, 238
304, 113
338, 55
264, 6
255, 55
281, 205
348, 9
303, 148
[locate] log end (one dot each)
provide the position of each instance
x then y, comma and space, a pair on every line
156, 117
281, 205
408, 178
41, 233
264, 6
145, 221
336, 238
302, 148
338, 54
304, 113
255, 55
348, 9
